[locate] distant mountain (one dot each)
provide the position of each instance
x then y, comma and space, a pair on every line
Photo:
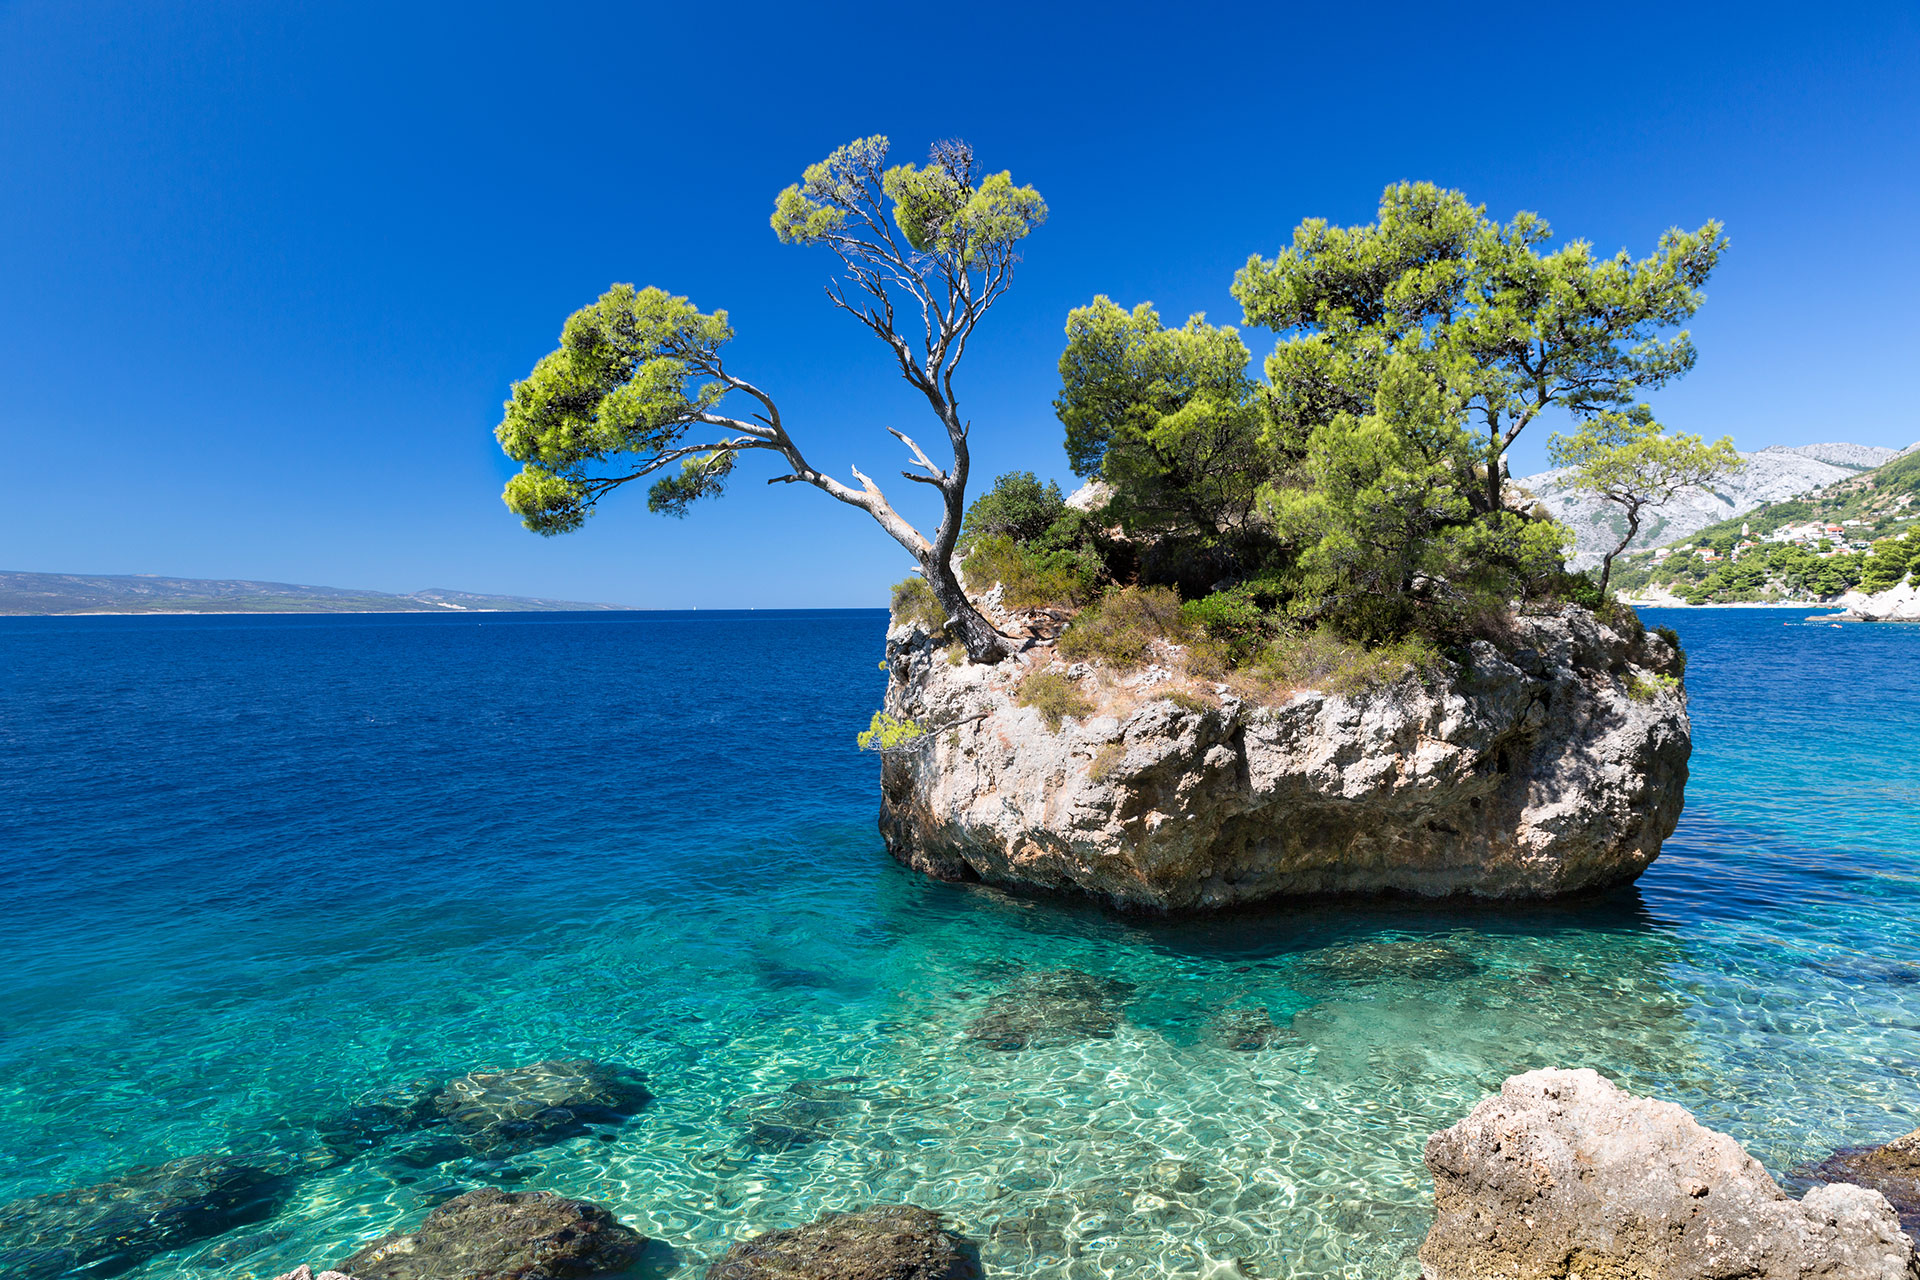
1859, 457
1770, 475
64, 593
1852, 536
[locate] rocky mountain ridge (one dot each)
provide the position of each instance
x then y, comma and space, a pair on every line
1773, 474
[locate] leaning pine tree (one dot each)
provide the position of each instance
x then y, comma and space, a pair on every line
638, 383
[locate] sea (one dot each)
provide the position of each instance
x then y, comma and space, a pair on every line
258, 871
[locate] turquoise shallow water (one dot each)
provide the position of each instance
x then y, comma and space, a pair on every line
258, 869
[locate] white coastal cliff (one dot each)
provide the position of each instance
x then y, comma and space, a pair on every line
1554, 764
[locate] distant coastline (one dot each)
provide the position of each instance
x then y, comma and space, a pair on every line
76, 594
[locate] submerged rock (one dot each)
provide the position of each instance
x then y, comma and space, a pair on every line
1405, 959
1246, 1030
499, 1112
1553, 765
305, 1272
503, 1235
1053, 1007
806, 1112
886, 1242
379, 1120
111, 1226
1566, 1175
492, 1112
1892, 1169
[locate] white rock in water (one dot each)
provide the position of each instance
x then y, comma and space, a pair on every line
1565, 1174
1530, 773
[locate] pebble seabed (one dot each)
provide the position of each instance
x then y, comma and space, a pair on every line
1242, 1095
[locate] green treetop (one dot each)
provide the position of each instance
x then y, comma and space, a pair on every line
1362, 482
1512, 328
1625, 459
639, 382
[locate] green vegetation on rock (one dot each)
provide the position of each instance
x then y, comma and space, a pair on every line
1350, 499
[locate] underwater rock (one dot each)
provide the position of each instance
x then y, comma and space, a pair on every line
1053, 1007
1552, 764
1565, 1174
492, 1112
305, 1272
367, 1125
1246, 1030
886, 1242
113, 1225
502, 1235
805, 1113
1406, 959
500, 1112
1892, 1169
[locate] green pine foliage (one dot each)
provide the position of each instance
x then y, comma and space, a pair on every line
889, 733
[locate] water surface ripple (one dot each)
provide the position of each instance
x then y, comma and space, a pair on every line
258, 870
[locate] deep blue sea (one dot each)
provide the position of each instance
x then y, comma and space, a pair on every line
258, 869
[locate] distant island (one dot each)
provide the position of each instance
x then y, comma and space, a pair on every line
71, 593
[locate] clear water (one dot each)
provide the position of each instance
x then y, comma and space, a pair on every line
255, 869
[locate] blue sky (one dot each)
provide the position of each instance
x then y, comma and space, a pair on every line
268, 270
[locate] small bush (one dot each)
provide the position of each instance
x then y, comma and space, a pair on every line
1324, 660
1054, 696
1120, 627
1621, 616
1186, 701
1106, 760
914, 601
956, 654
1672, 637
1029, 579
1018, 507
888, 733
1649, 687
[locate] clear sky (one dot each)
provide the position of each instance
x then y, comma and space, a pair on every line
267, 270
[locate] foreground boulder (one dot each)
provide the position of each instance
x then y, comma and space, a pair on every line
1553, 764
1564, 1175
502, 1235
886, 1242
1892, 1169
111, 1226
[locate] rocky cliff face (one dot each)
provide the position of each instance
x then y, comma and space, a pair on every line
1552, 765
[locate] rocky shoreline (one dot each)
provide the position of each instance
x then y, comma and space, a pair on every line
1552, 764
1561, 1176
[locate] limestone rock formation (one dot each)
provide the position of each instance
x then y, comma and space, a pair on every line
1552, 764
503, 1235
1565, 1175
1892, 1169
1898, 603
110, 1226
886, 1242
